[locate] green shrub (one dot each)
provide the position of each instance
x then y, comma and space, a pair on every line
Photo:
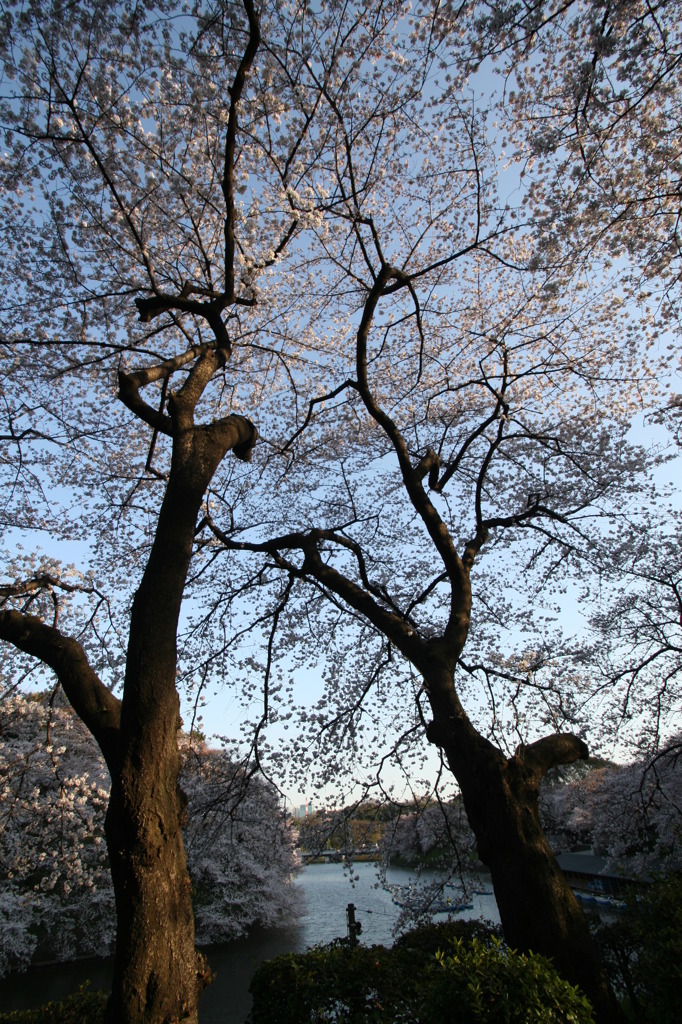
618, 950
642, 953
475, 983
336, 983
84, 1007
471, 982
427, 939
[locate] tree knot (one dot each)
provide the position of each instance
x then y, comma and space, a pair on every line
244, 449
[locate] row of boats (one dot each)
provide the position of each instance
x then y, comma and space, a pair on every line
600, 899
418, 900
421, 901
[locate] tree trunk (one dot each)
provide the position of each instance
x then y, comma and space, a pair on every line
157, 972
538, 910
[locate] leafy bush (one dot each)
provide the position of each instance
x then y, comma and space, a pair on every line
471, 982
427, 939
658, 930
84, 1007
476, 983
643, 953
335, 983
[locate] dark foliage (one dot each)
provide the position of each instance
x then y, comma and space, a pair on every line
84, 1007
643, 953
469, 982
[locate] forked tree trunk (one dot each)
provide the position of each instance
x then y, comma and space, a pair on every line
538, 910
158, 974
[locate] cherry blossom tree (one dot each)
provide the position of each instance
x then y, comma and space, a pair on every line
631, 813
417, 832
240, 848
57, 897
301, 217
120, 181
635, 649
487, 432
56, 891
437, 836
592, 110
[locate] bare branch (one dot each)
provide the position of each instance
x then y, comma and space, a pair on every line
90, 699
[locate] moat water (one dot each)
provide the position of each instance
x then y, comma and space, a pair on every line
325, 889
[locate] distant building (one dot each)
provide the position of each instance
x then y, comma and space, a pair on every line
304, 810
588, 876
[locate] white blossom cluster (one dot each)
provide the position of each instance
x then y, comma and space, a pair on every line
56, 897
512, 175
631, 813
240, 849
413, 834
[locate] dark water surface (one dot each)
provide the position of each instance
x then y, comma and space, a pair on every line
325, 892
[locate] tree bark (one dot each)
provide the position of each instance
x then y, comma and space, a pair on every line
158, 974
538, 910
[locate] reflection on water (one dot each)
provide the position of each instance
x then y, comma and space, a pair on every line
325, 889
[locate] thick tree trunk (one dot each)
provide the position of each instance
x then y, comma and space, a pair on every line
538, 910
158, 974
